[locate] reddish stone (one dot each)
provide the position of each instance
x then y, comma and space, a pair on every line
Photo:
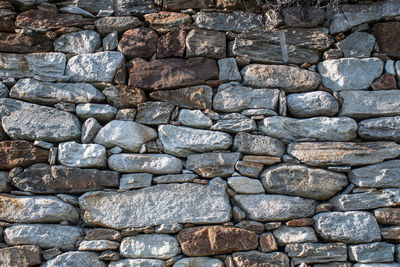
171, 44
388, 216
15, 153
268, 242
165, 21
7, 24
122, 96
214, 83
391, 234
171, 72
300, 222
139, 42
385, 82
103, 234
20, 256
212, 240
24, 43
388, 37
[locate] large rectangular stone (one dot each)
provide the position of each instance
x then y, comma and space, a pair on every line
316, 252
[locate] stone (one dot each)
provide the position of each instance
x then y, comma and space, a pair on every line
43, 235
373, 252
287, 235
168, 228
391, 234
194, 118
264, 46
376, 265
154, 113
172, 72
122, 96
381, 175
267, 208
312, 129
43, 178
312, 104
258, 145
233, 97
110, 42
73, 154
369, 104
287, 78
199, 261
268, 242
387, 216
151, 163
20, 153
250, 169
75, 259
101, 112
98, 245
96, 67
81, 42
51, 93
243, 185
135, 180
301, 17
357, 45
221, 21
172, 44
256, 258
36, 209
138, 262
234, 123
299, 180
397, 68
128, 135
164, 21
175, 178
389, 67
119, 24
194, 203
385, 82
195, 97
228, 70
383, 128
3, 91
343, 153
17, 256
350, 227
316, 252
181, 4
24, 43
4, 182
76, 11
179, 141
50, 253
209, 165
139, 42
7, 24
159, 246
300, 222
203, 43
120, 8
89, 130
387, 35
103, 234
51, 65
127, 114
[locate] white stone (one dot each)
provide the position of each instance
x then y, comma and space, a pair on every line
244, 185
138, 263
98, 245
81, 42
135, 180
194, 118
199, 262
228, 70
73, 154
287, 235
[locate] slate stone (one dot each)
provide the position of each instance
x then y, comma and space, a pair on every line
165, 21
110, 42
228, 70
139, 42
135, 180
108, 25
312, 104
244, 185
138, 262
391, 234
203, 43
89, 130
256, 258
20, 153
383, 128
17, 256
76, 11
121, 7
175, 178
172, 44
316, 252
181, 4
249, 169
234, 123
209, 165
194, 118
373, 252
73, 154
24, 43
4, 181
101, 112
122, 96
381, 175
81, 42
75, 259
357, 45
258, 145
299, 17
154, 113
287, 235
387, 35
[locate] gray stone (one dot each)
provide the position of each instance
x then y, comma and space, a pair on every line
22, 120
369, 104
199, 261
350, 227
51, 93
384, 128
73, 154
43, 235
301, 17
334, 264
233, 97
258, 145
194, 118
234, 123
128, 135
110, 42
36, 209
81, 42
120, 7
138, 263
287, 235
288, 78
397, 69
175, 178
316, 252
228, 70
343, 153
168, 228
357, 44
389, 67
126, 114
98, 245
203, 43
154, 113
182, 141
75, 259
101, 112
193, 203
3, 90
268, 208
250, 169
299, 180
376, 265
17, 256
77, 11
210, 165
244, 185
312, 129
89, 130
373, 252
119, 24
312, 104
347, 74
381, 175
256, 258
135, 180
97, 67
4, 182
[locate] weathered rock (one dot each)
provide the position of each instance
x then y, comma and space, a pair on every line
316, 252
171, 44
18, 256
287, 235
250, 169
151, 163
75, 259
128, 135
199, 261
78, 42
42, 178
312, 104
203, 43
211, 165
43, 235
228, 70
135, 180
267, 208
126, 114
120, 8
7, 24
258, 145
122, 96
3, 91
298, 180
180, 141
350, 73
24, 43
381, 175
194, 203
76, 11
302, 17
89, 130
234, 123
373, 252
4, 182
36, 209
175, 178
97, 67
376, 265
194, 118
98, 245
101, 112
357, 45
172, 72
73, 154
154, 113
19, 153
139, 42
119, 24
181, 4
110, 42
288, 78
350, 227
103, 233
268, 242
384, 128
165, 21
385, 82
255, 258
313, 129
387, 216
391, 234
387, 35
138, 262
343, 153
243, 185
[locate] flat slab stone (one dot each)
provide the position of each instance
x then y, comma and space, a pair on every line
286, 235
373, 252
108, 25
135, 180
98, 245
387, 35
194, 118
203, 43
357, 44
175, 178
138, 262
312, 104
165, 21
383, 128
256, 258
387, 216
211, 165
17, 256
154, 113
81, 42
19, 153
121, 7
267, 208
343, 153
381, 175
258, 145
101, 112
316, 252
73, 154
234, 123
75, 259
244, 185
194, 203
24, 43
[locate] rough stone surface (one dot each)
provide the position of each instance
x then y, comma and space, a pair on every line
82, 42
120, 24
194, 118
234, 123
381, 175
228, 70
73, 154
120, 8
135, 180
387, 35
138, 262
357, 44
211, 165
387, 216
203, 43
255, 258
244, 185
17, 256
24, 43
75, 259
154, 113
286, 235
165, 21
199, 261
98, 245
89, 130
373, 252
258, 145
312, 104
383, 128
18, 153
316, 252
139, 42
172, 44
298, 17
122, 96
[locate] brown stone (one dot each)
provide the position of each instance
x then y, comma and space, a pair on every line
385, 82
203, 43
171, 72
391, 234
165, 21
268, 243
18, 153
266, 160
42, 21
388, 37
43, 178
20, 256
6, 24
103, 234
139, 42
185, 4
171, 44
24, 43
300, 222
212, 240
122, 96
388, 216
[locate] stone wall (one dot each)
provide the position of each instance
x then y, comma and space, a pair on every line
193, 133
